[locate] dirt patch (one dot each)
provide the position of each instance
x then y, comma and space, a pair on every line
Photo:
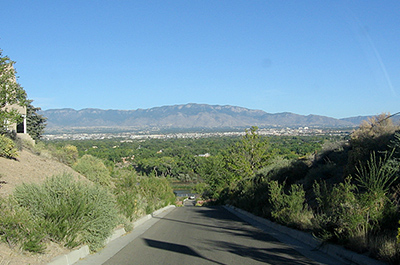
14, 256
29, 168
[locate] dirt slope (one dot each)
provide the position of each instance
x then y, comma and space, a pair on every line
29, 168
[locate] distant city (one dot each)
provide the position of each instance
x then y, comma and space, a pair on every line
143, 135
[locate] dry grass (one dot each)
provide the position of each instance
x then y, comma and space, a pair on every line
29, 168
385, 247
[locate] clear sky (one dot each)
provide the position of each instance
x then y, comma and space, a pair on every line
332, 58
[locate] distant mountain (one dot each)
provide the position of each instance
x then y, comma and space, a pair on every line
359, 119
185, 117
356, 120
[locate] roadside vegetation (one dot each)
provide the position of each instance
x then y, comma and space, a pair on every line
73, 212
347, 192
344, 190
67, 210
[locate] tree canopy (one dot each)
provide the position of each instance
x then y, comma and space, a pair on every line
10, 93
36, 123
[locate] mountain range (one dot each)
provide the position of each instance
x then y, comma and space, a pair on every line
188, 116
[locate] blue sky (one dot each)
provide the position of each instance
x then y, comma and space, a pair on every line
332, 58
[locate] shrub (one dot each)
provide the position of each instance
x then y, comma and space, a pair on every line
274, 169
342, 215
19, 227
137, 195
291, 208
73, 212
376, 134
67, 154
8, 148
385, 247
94, 169
377, 176
157, 191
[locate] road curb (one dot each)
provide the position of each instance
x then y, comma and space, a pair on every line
75, 255
334, 251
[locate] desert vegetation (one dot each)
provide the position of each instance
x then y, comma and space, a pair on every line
73, 211
343, 190
346, 193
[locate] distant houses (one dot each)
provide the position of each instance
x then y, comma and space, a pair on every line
19, 129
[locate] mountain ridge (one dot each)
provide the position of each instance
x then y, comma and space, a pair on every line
191, 115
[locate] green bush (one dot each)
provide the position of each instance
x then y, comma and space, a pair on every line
274, 169
67, 154
138, 195
8, 148
341, 216
157, 191
73, 213
377, 176
18, 227
127, 196
291, 208
94, 169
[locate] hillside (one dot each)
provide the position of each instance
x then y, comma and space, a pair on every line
185, 117
29, 168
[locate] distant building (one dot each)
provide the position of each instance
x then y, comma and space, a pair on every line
204, 155
21, 128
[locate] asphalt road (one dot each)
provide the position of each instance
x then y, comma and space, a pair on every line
202, 235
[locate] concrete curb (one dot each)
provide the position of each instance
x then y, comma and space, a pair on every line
75, 255
334, 251
71, 257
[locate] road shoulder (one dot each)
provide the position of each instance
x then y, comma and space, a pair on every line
305, 243
114, 244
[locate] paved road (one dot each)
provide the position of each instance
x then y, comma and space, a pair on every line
204, 235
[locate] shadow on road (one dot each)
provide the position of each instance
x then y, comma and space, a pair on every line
268, 249
175, 248
280, 254
227, 223
215, 213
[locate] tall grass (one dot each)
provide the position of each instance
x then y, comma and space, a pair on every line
378, 175
73, 213
18, 228
353, 213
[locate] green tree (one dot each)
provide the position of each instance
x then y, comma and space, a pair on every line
10, 93
248, 155
215, 174
35, 122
